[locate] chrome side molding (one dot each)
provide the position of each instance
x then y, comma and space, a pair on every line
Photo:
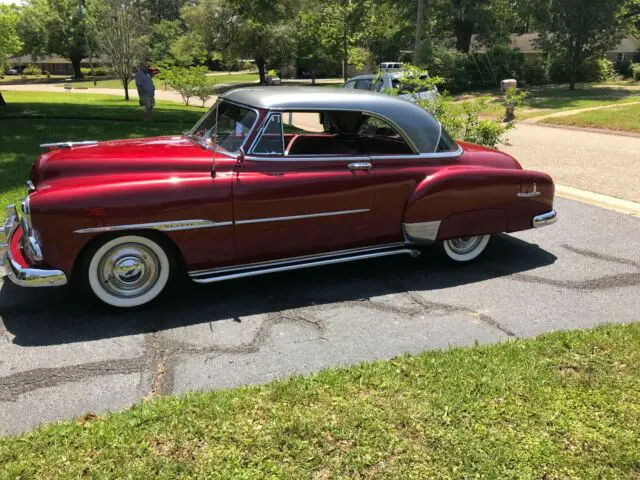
173, 226
296, 263
68, 144
301, 217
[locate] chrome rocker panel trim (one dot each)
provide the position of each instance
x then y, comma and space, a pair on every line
542, 220
172, 226
24, 276
295, 263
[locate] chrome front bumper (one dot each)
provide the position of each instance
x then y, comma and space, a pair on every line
24, 276
548, 218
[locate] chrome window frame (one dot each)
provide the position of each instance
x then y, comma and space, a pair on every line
395, 126
216, 147
263, 128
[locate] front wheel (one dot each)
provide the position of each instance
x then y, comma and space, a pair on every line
127, 271
465, 249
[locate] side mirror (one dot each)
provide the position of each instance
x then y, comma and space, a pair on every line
241, 155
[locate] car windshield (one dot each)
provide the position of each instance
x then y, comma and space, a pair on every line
225, 126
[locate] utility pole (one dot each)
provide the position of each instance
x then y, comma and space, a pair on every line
417, 49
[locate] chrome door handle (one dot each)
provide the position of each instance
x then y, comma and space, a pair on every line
360, 166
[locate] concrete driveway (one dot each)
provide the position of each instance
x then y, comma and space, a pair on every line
60, 357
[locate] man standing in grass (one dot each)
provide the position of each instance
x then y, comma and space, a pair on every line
146, 90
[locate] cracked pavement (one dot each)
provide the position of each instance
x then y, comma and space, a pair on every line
61, 357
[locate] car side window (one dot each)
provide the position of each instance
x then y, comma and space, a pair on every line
377, 137
363, 84
377, 86
271, 141
350, 84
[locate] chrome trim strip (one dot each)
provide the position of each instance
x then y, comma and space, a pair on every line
312, 263
402, 133
219, 149
315, 256
173, 226
544, 219
421, 232
30, 186
528, 194
67, 144
300, 217
339, 158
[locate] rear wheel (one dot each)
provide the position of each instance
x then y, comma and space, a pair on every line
127, 271
465, 249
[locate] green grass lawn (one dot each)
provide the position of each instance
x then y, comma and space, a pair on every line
555, 98
562, 406
624, 118
32, 118
217, 79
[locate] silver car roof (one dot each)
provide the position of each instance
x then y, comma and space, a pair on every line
418, 125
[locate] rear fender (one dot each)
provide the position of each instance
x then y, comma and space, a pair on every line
457, 202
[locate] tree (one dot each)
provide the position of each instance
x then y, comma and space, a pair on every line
55, 26
122, 34
164, 35
577, 31
10, 43
258, 29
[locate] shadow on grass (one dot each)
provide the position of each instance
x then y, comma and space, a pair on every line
56, 316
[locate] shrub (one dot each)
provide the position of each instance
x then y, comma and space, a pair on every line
535, 73
273, 73
466, 126
96, 72
31, 70
635, 71
597, 70
188, 82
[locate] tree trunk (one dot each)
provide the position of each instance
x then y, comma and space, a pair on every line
417, 49
464, 32
260, 64
75, 62
2, 102
125, 84
345, 55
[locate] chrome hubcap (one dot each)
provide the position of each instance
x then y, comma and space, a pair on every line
129, 270
464, 245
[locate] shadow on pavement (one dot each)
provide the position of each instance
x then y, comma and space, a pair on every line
39, 317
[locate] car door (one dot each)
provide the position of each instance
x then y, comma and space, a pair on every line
291, 202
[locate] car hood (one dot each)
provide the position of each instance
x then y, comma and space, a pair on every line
145, 155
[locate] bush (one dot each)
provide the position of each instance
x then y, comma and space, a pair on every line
466, 126
96, 72
535, 73
188, 82
597, 70
635, 71
31, 70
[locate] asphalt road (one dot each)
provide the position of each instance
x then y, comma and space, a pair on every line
61, 357
596, 162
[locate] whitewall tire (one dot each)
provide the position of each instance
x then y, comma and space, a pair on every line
128, 271
465, 249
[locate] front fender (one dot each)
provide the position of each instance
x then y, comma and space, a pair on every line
68, 216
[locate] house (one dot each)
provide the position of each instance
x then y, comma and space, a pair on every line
54, 64
628, 49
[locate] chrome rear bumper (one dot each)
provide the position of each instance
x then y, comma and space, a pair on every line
23, 276
548, 218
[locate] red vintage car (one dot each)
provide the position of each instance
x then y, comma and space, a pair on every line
269, 180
